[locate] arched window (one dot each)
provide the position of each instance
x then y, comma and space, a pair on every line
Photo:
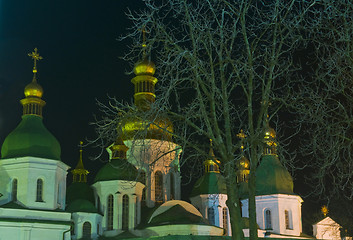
86, 230
110, 212
287, 218
268, 222
143, 197
225, 219
14, 190
125, 222
211, 216
172, 187
39, 195
158, 178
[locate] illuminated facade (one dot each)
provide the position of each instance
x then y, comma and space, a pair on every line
137, 193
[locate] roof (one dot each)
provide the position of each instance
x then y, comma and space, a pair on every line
31, 138
209, 183
79, 190
117, 169
272, 177
176, 212
81, 205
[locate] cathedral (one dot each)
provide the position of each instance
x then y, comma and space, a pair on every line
136, 195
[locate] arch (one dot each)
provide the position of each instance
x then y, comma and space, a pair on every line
268, 219
86, 230
211, 215
158, 189
110, 212
125, 220
225, 219
14, 190
39, 193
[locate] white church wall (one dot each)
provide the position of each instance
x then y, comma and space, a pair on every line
94, 220
27, 171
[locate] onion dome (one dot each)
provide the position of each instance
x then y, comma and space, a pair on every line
272, 177
118, 168
80, 173
176, 212
145, 67
133, 127
30, 137
33, 89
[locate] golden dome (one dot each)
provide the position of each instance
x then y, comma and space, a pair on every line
160, 128
243, 163
33, 90
270, 133
145, 67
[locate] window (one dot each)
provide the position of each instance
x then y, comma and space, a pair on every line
14, 190
86, 230
287, 217
211, 216
158, 178
225, 220
268, 223
172, 187
39, 195
125, 222
110, 212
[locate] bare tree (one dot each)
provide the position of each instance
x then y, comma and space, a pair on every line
220, 64
324, 101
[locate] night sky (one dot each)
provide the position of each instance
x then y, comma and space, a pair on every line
81, 63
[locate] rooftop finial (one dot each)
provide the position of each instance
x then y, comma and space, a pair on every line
35, 56
324, 210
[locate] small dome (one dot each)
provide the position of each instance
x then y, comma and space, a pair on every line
210, 183
33, 90
243, 163
145, 67
31, 138
117, 169
176, 212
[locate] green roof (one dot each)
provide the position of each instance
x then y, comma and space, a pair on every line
272, 177
177, 215
79, 190
117, 169
31, 138
209, 183
81, 205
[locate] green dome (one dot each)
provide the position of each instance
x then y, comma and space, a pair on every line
31, 138
117, 169
81, 205
79, 190
210, 183
272, 177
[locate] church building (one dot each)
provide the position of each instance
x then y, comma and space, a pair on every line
137, 193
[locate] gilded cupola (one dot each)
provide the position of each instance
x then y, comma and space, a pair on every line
80, 173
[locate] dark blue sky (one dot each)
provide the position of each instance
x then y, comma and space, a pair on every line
77, 40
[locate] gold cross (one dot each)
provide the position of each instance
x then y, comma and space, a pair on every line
35, 56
